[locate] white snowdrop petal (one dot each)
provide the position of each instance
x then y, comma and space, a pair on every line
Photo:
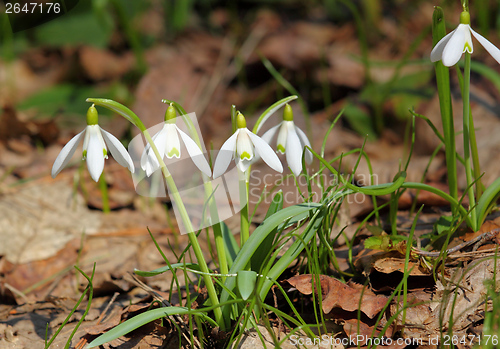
305, 142
437, 51
244, 164
244, 145
95, 154
265, 152
172, 144
492, 49
195, 153
455, 47
160, 142
468, 39
283, 137
118, 151
144, 157
268, 136
66, 153
225, 155
294, 151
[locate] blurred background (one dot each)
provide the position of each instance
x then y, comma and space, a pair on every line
369, 58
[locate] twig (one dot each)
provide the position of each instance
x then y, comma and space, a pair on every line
116, 294
483, 237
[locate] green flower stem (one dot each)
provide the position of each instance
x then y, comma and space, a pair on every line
475, 158
214, 215
466, 133
473, 145
443, 84
465, 5
268, 112
244, 224
103, 187
176, 198
220, 245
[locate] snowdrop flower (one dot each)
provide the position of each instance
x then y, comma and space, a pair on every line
94, 148
450, 48
168, 144
291, 141
245, 147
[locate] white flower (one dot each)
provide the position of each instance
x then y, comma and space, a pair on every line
94, 149
245, 147
292, 142
450, 48
167, 143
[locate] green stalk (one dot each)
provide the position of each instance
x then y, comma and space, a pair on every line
443, 84
475, 158
220, 245
176, 198
244, 223
466, 133
103, 187
209, 191
372, 10
473, 146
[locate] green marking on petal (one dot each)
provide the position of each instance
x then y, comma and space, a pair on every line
245, 155
105, 153
281, 149
174, 152
467, 47
84, 155
92, 116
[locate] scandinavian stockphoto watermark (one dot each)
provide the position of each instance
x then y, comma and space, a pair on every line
364, 340
312, 186
198, 191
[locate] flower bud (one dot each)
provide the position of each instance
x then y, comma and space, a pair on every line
465, 17
240, 121
170, 114
92, 116
287, 113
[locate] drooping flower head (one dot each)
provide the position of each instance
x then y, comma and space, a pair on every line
291, 141
95, 148
244, 147
450, 48
168, 144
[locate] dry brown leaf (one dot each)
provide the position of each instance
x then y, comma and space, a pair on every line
21, 276
102, 64
111, 321
462, 302
389, 265
337, 294
19, 80
365, 332
365, 259
39, 218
